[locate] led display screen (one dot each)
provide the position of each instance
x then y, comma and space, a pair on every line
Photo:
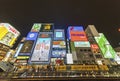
36, 27
8, 34
105, 47
42, 50
59, 34
46, 27
27, 47
82, 44
32, 36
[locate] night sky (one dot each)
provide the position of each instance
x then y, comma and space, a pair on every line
104, 14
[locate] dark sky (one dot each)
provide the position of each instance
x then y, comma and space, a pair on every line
104, 14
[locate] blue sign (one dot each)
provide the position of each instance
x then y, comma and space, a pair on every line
32, 36
76, 28
58, 53
59, 34
73, 28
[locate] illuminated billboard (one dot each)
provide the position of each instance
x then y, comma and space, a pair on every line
105, 47
95, 49
23, 57
32, 36
101, 39
36, 27
21, 61
41, 53
69, 59
8, 34
82, 44
59, 34
74, 28
78, 36
58, 53
26, 48
59, 44
94, 46
47, 27
110, 53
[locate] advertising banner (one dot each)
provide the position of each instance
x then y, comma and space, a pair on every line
59, 53
59, 34
105, 46
82, 44
45, 35
21, 61
36, 27
78, 36
74, 28
59, 44
23, 57
101, 39
32, 36
69, 59
57, 61
8, 34
109, 53
47, 27
26, 48
41, 52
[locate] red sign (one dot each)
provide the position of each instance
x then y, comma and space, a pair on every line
94, 46
13, 30
78, 36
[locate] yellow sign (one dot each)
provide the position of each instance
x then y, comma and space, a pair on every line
3, 31
84, 67
103, 67
47, 27
60, 68
8, 34
12, 41
22, 57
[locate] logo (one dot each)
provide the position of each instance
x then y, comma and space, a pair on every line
31, 35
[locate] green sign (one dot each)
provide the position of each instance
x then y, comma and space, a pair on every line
105, 46
36, 27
